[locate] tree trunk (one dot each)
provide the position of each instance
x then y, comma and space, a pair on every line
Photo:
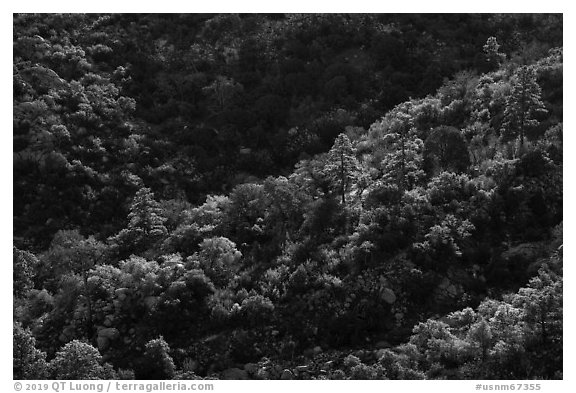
402, 180
89, 323
543, 326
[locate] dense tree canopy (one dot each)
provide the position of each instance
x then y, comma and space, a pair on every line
288, 196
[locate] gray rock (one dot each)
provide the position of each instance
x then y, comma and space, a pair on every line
121, 293
44, 78
444, 284
452, 290
526, 251
328, 365
532, 269
263, 374
103, 343
251, 368
287, 374
150, 301
276, 371
383, 345
234, 374
69, 331
388, 296
379, 353
108, 320
190, 365
109, 333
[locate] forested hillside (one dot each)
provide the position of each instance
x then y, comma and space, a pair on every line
288, 196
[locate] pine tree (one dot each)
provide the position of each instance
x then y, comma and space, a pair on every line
401, 162
491, 48
481, 334
343, 171
145, 224
157, 355
342, 167
523, 104
146, 214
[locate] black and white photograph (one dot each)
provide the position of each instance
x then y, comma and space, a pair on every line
287, 196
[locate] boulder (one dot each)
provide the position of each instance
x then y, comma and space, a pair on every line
447, 291
444, 284
70, 332
361, 354
533, 268
108, 320
383, 345
251, 368
121, 293
302, 369
275, 371
317, 350
263, 374
151, 301
452, 290
234, 374
42, 77
388, 296
459, 275
109, 333
191, 365
103, 343
525, 251
287, 374
380, 352
328, 365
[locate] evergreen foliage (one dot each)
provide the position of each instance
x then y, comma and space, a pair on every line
28, 361
523, 105
288, 196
